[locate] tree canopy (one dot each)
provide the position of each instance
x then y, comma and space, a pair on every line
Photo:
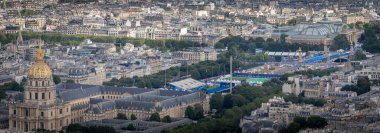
194, 113
131, 127
216, 101
363, 85
300, 99
70, 81
89, 129
341, 42
121, 116
303, 123
359, 55
166, 119
370, 38
56, 79
133, 117
155, 117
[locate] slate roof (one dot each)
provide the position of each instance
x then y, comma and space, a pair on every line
69, 92
138, 105
140, 99
101, 107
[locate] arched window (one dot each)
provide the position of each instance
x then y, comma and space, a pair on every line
43, 83
36, 84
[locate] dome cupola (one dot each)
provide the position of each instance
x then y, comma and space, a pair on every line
39, 70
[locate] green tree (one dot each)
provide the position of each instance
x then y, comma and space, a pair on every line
198, 110
238, 100
364, 85
370, 40
13, 85
228, 102
301, 121
26, 12
70, 81
74, 127
166, 119
316, 122
292, 22
99, 129
292, 128
56, 79
189, 112
3, 95
76, 22
131, 127
350, 88
216, 101
133, 117
341, 42
41, 130
359, 55
155, 117
283, 38
121, 116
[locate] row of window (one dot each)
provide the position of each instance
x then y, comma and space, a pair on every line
41, 114
36, 96
42, 83
42, 125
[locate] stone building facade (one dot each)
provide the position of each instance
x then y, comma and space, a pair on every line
40, 107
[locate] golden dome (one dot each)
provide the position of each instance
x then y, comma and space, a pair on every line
40, 69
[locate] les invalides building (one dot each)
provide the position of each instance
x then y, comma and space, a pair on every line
44, 105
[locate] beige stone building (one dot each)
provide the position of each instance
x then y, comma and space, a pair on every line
195, 56
93, 76
315, 88
353, 18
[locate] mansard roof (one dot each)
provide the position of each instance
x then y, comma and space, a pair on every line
139, 99
69, 92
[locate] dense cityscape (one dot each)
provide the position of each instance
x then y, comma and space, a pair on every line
190, 66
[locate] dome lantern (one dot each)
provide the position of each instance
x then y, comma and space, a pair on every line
40, 69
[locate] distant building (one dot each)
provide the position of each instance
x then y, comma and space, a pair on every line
314, 88
191, 57
351, 19
322, 32
93, 76
294, 85
276, 109
373, 73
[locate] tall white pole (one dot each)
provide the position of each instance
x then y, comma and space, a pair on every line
231, 74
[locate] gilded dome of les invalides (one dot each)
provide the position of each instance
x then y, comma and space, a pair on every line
40, 69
